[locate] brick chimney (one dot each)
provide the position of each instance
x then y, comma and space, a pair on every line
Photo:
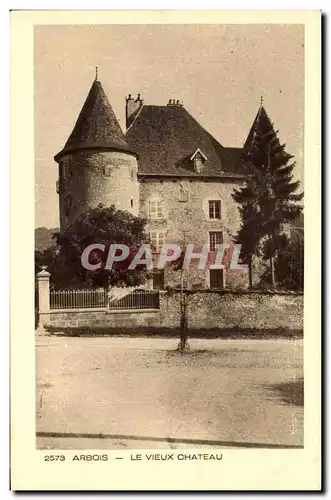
174, 102
132, 107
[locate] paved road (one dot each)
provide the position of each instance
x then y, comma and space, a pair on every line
122, 393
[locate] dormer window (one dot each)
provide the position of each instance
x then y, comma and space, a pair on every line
198, 158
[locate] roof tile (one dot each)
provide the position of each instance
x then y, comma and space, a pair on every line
166, 137
96, 126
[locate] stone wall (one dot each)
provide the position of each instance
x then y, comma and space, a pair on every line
94, 177
94, 319
221, 310
206, 311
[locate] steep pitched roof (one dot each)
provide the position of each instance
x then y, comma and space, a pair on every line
96, 126
166, 137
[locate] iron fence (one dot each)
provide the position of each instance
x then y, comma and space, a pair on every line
139, 299
78, 299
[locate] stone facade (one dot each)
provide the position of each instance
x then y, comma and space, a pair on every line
184, 205
88, 178
185, 208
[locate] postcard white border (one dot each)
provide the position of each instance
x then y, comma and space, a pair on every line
239, 469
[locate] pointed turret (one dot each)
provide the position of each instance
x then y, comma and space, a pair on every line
96, 164
96, 127
261, 122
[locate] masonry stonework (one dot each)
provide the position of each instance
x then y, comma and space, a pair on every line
94, 177
207, 311
185, 219
217, 310
185, 206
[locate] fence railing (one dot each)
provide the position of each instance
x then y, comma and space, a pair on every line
78, 299
98, 299
138, 299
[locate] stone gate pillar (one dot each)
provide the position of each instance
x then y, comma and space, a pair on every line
43, 278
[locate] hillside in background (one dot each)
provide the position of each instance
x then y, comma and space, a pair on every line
43, 237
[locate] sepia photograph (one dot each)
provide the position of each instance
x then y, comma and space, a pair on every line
169, 236
165, 300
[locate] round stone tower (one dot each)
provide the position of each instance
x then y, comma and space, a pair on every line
96, 164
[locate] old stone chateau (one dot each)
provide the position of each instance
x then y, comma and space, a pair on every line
166, 168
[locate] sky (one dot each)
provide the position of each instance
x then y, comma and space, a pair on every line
219, 72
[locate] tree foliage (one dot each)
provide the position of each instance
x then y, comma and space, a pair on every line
269, 198
289, 266
103, 225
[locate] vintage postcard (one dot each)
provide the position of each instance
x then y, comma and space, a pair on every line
165, 270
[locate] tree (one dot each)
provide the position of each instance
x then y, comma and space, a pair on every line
104, 225
289, 265
177, 265
269, 198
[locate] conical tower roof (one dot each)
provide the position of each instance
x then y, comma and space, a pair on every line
262, 122
96, 126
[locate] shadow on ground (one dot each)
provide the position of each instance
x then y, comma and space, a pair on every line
164, 332
291, 392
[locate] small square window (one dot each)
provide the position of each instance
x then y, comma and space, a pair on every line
107, 171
